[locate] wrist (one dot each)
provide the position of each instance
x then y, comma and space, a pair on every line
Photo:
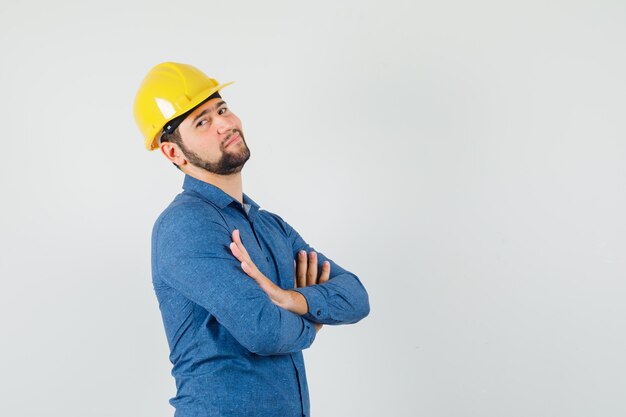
297, 303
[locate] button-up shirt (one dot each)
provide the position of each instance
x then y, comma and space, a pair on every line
233, 351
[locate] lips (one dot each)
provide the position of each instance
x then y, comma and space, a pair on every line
234, 138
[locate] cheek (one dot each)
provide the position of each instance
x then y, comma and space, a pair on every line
207, 145
212, 148
237, 122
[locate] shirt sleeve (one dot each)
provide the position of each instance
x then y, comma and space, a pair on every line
192, 255
341, 300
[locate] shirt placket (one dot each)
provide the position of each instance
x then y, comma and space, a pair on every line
254, 245
296, 358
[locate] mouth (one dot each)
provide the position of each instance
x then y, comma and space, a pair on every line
233, 139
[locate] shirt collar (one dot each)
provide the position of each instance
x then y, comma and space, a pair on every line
215, 194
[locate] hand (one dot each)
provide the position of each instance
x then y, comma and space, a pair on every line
289, 300
306, 273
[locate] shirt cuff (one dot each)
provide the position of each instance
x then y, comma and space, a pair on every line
318, 309
310, 329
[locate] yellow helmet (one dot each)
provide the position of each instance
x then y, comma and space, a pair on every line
168, 91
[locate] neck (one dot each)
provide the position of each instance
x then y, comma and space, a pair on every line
230, 184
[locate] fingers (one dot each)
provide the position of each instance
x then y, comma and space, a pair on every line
278, 296
246, 268
236, 252
237, 239
307, 270
311, 272
253, 272
325, 276
239, 252
301, 270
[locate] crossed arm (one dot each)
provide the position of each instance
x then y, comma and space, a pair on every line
306, 274
336, 298
190, 254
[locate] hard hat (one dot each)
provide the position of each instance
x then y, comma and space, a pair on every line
168, 91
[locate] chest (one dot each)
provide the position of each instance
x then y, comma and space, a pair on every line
269, 249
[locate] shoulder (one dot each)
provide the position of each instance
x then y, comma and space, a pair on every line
189, 211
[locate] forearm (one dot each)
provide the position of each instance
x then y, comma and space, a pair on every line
247, 313
342, 300
190, 259
277, 331
296, 303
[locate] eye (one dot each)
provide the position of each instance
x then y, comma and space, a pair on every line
222, 110
202, 122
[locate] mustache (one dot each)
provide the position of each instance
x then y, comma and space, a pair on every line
230, 135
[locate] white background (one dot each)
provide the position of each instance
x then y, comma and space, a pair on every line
465, 159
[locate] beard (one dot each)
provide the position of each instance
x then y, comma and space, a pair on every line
231, 161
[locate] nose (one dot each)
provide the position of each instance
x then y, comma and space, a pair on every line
224, 124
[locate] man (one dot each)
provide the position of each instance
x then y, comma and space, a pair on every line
238, 288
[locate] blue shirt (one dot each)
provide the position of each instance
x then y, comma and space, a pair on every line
233, 351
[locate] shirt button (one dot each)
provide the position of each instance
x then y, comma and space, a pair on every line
319, 312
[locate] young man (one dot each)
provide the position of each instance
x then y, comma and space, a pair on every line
238, 288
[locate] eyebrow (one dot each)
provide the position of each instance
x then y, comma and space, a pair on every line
206, 111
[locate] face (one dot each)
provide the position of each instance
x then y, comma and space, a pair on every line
212, 139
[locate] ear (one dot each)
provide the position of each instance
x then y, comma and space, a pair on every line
173, 153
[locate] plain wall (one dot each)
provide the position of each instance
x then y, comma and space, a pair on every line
465, 159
